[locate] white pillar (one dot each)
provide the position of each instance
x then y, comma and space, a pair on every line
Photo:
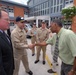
37, 22
49, 21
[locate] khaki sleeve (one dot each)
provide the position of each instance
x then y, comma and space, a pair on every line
47, 36
16, 42
37, 36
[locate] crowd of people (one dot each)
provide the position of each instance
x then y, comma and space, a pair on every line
13, 48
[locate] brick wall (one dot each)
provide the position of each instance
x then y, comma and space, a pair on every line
74, 20
18, 11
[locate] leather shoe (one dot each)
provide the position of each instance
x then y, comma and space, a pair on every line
36, 61
30, 72
43, 62
57, 64
33, 54
51, 71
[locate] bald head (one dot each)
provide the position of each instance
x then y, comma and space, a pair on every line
56, 25
2, 11
58, 22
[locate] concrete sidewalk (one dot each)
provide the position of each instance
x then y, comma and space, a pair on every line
39, 68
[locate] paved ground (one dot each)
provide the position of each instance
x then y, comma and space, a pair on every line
39, 68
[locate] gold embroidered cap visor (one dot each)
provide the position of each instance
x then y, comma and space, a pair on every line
20, 19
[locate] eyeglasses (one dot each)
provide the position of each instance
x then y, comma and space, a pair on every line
6, 19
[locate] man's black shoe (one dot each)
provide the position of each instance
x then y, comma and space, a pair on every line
51, 71
43, 62
30, 73
57, 64
36, 61
33, 54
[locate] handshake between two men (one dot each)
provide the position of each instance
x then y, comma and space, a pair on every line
37, 44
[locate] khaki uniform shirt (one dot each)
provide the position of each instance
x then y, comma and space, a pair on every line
42, 35
34, 32
19, 41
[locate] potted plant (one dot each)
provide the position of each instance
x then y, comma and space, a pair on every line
70, 14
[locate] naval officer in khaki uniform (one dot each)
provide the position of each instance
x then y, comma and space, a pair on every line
42, 35
20, 45
33, 37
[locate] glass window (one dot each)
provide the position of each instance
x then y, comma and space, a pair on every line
47, 11
57, 8
48, 4
43, 5
10, 9
52, 10
37, 8
11, 23
34, 8
61, 7
39, 13
26, 13
36, 13
57, 2
71, 1
51, 19
40, 6
43, 12
51, 2
66, 2
54, 2
61, 1
31, 3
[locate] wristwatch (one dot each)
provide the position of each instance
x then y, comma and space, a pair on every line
72, 70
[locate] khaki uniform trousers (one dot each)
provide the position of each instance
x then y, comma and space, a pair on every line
24, 60
39, 48
33, 40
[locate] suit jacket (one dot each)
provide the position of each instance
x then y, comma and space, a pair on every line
6, 56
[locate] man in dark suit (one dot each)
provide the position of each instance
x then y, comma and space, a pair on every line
6, 50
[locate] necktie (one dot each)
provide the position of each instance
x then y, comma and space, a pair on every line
6, 36
56, 51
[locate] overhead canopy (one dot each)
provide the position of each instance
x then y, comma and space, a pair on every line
37, 17
30, 18
43, 17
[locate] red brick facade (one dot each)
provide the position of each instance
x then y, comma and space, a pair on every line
74, 20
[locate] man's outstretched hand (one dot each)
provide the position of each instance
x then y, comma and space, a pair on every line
31, 45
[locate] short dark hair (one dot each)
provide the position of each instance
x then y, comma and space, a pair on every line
58, 22
1, 9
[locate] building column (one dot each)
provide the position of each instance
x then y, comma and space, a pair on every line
49, 21
37, 22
